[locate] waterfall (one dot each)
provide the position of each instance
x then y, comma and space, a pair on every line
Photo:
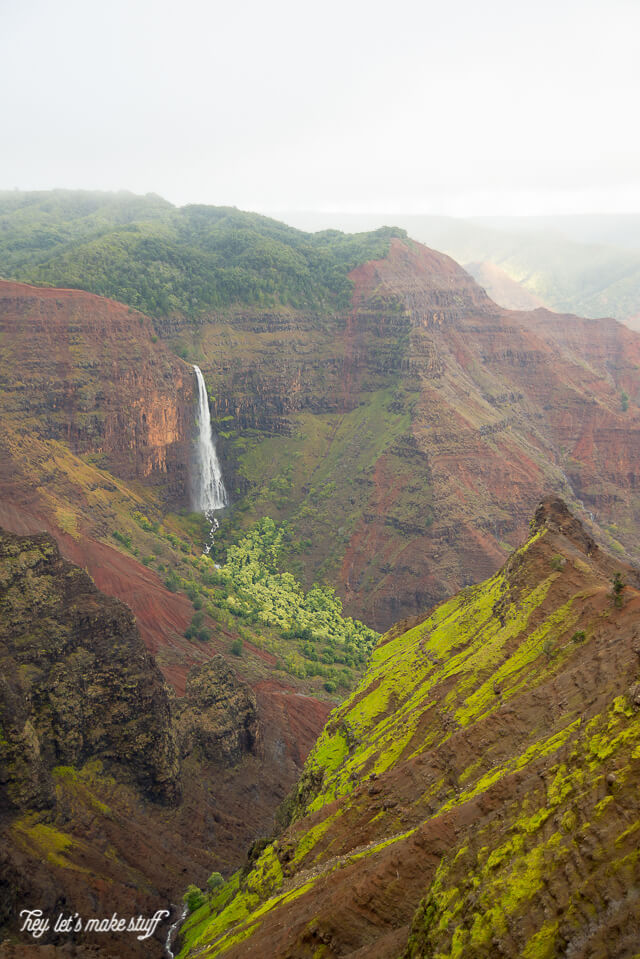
210, 494
168, 946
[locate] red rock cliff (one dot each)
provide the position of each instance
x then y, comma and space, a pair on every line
90, 372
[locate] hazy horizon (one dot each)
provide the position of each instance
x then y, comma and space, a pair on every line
335, 211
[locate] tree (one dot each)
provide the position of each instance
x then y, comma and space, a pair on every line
214, 881
194, 898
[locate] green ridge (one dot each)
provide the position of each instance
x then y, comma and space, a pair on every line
473, 655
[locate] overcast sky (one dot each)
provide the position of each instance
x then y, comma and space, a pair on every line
461, 108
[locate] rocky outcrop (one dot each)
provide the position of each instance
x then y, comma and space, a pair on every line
86, 741
477, 795
218, 715
78, 683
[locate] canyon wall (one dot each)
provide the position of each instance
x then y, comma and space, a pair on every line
407, 441
91, 373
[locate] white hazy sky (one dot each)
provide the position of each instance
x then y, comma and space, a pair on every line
460, 108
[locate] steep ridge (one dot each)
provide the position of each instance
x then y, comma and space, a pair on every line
477, 795
408, 443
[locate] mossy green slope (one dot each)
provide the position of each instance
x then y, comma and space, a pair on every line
477, 795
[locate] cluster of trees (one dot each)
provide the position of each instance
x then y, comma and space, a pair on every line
315, 617
305, 630
159, 259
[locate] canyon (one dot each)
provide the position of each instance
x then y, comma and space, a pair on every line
400, 428
364, 390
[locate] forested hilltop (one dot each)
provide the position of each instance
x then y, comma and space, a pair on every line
161, 259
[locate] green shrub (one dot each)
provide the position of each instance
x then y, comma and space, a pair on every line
617, 586
214, 881
236, 647
172, 582
194, 898
123, 538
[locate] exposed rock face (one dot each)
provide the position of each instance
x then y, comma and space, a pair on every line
84, 370
78, 683
478, 794
100, 809
408, 441
219, 714
86, 734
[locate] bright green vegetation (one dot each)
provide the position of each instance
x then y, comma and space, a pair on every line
264, 605
517, 876
47, 841
463, 638
231, 916
257, 587
548, 797
160, 259
193, 898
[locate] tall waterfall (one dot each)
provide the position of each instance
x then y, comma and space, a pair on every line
210, 493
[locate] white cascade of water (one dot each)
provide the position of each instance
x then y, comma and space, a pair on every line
171, 935
210, 492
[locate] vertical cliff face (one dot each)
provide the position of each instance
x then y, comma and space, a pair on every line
87, 748
219, 715
91, 373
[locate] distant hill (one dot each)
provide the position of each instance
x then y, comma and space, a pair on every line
589, 266
501, 288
